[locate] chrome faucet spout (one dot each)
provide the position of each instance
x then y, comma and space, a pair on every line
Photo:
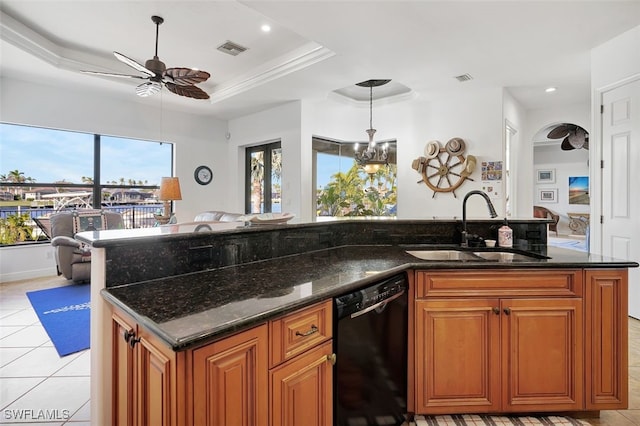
492, 213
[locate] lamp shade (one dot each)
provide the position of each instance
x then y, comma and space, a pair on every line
169, 189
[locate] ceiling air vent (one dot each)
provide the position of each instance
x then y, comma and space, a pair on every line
463, 77
231, 48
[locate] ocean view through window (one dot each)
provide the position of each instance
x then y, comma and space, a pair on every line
45, 170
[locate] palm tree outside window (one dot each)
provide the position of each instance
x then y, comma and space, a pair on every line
263, 182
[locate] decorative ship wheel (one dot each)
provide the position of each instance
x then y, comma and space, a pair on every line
444, 169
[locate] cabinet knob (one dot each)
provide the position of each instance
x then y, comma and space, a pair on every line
312, 330
128, 335
332, 359
133, 341
496, 310
507, 311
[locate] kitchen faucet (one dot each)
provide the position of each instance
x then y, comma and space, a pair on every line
492, 212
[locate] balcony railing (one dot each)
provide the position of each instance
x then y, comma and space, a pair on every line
133, 215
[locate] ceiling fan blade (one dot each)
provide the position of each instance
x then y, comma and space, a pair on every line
186, 76
188, 91
110, 74
133, 64
147, 89
560, 131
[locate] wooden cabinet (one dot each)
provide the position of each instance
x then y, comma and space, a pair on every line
230, 380
143, 377
475, 353
301, 377
301, 390
606, 325
279, 373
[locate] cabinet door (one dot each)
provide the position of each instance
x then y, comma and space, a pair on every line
542, 361
607, 340
457, 347
155, 382
301, 390
123, 372
230, 380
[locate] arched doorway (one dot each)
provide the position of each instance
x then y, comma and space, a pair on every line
561, 179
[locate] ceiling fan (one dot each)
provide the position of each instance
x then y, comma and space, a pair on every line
575, 137
180, 81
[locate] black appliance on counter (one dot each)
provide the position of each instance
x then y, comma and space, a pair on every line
370, 376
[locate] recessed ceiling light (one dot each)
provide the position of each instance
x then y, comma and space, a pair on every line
550, 89
266, 28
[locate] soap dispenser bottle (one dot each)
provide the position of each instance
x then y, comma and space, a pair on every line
505, 235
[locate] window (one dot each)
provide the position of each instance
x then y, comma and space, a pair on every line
344, 189
263, 181
44, 170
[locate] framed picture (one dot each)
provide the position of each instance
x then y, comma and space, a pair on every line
548, 195
579, 190
546, 176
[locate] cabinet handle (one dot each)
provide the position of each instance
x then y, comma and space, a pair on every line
133, 341
332, 359
313, 329
128, 335
507, 311
496, 310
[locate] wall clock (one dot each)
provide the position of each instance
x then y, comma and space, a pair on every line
203, 175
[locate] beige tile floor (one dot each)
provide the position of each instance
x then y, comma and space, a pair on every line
33, 377
36, 385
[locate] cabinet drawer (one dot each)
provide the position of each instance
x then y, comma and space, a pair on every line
499, 283
298, 331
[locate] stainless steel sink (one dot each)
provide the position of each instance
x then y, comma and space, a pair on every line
477, 256
442, 255
498, 256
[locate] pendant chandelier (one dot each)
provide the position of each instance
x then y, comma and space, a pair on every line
372, 157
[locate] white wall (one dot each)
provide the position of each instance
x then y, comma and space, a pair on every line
26, 262
280, 123
521, 152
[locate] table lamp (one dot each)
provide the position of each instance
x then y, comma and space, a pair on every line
169, 191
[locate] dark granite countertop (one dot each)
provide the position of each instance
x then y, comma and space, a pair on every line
196, 308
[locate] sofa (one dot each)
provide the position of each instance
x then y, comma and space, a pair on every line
218, 216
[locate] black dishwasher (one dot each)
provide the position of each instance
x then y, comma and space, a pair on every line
370, 381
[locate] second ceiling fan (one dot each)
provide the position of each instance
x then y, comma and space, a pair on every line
180, 80
575, 137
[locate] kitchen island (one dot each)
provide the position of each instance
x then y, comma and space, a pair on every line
294, 272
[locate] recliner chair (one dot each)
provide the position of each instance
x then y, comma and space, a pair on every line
73, 258
543, 212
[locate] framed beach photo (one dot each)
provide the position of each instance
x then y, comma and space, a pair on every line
546, 176
548, 195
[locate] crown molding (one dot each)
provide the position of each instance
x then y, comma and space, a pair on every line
303, 57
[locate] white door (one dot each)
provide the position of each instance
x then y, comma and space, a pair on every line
620, 180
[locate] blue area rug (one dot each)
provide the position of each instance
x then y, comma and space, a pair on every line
64, 313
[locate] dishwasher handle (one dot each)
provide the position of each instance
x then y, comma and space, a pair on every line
377, 305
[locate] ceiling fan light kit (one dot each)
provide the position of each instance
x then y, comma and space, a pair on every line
572, 135
179, 80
